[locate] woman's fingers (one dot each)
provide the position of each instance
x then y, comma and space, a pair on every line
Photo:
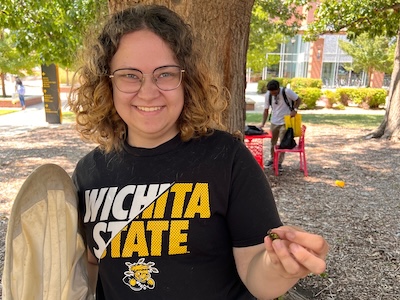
313, 242
283, 261
308, 260
297, 252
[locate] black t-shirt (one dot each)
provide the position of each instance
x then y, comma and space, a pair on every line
163, 221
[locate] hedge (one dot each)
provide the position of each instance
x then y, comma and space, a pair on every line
299, 82
295, 83
363, 97
309, 97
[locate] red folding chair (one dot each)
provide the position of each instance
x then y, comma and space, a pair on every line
299, 149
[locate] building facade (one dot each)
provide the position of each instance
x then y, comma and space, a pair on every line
322, 59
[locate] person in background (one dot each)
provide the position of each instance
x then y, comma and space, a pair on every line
20, 89
282, 101
172, 205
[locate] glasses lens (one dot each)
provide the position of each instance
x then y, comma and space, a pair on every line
168, 78
128, 81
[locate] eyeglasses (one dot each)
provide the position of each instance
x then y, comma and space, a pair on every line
129, 80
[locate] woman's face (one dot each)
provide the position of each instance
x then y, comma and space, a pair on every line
150, 113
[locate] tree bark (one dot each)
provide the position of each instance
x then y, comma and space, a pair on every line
3, 84
390, 126
222, 27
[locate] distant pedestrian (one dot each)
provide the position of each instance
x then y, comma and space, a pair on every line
20, 89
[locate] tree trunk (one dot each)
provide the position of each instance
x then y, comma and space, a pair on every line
390, 126
67, 75
370, 73
3, 84
222, 27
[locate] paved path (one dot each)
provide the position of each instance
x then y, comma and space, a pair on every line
32, 117
22, 121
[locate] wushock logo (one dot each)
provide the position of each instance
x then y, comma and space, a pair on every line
138, 277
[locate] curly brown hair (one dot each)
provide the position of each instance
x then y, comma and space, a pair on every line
96, 117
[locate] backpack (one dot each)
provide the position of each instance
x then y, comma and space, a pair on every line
284, 97
253, 130
288, 141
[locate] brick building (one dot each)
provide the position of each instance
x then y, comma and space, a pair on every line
322, 59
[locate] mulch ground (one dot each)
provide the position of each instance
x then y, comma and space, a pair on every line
360, 221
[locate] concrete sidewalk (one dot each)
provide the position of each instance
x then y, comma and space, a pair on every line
24, 120
34, 116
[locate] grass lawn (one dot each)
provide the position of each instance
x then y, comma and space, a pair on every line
340, 120
68, 117
7, 111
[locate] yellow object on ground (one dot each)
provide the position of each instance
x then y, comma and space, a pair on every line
340, 183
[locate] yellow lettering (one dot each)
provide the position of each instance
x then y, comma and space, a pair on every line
158, 208
157, 228
161, 203
180, 190
135, 240
177, 237
148, 212
199, 202
116, 244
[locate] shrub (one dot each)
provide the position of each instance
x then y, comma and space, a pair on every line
344, 95
262, 87
262, 84
340, 106
286, 81
300, 82
363, 97
331, 98
309, 97
375, 97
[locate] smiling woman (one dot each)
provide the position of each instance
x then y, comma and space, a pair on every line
173, 207
149, 108
177, 68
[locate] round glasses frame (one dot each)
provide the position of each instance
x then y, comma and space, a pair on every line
140, 79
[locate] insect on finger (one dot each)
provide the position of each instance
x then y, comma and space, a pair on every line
272, 235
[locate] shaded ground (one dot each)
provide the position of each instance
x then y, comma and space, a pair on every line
360, 221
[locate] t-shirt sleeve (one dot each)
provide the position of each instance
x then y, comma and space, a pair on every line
266, 100
252, 210
291, 95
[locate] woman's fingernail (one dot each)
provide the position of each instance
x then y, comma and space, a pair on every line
294, 247
290, 235
278, 244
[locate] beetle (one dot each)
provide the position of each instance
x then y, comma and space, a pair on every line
272, 235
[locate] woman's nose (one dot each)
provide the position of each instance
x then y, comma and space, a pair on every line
149, 86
